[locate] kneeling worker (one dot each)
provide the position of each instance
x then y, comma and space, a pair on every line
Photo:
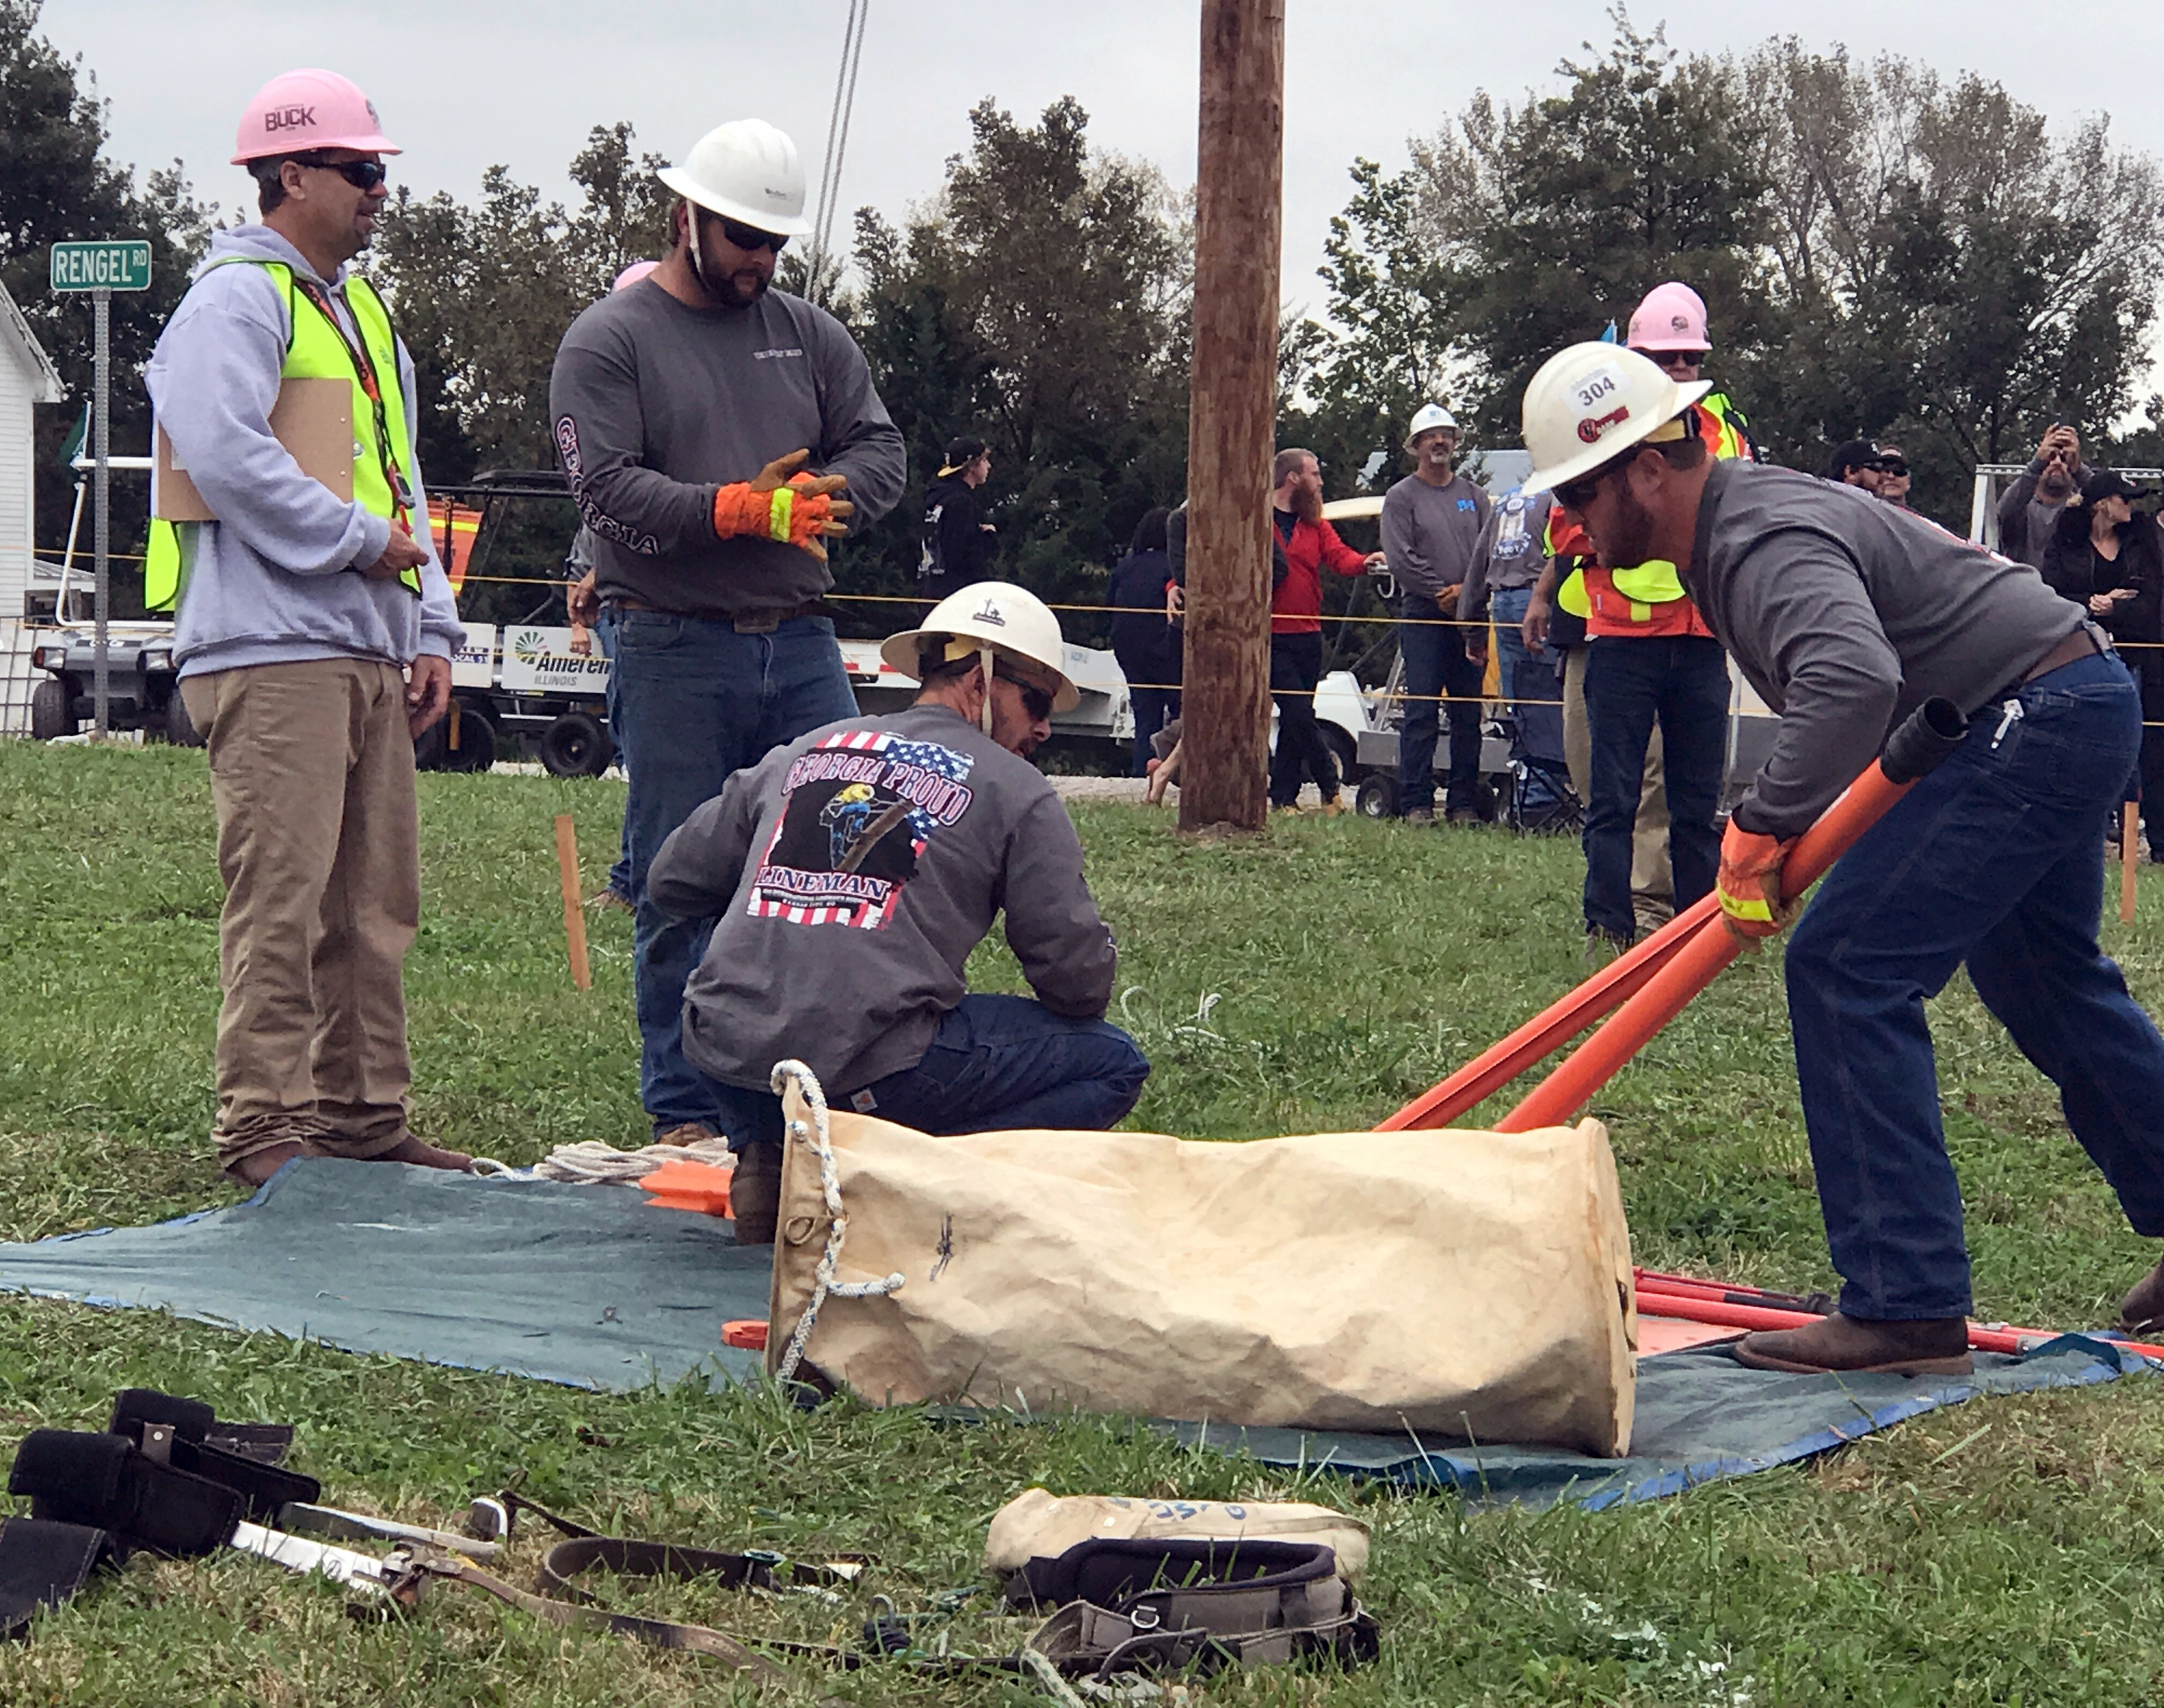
850, 873
1845, 614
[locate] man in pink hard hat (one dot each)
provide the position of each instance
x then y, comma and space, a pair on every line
314, 630
1657, 688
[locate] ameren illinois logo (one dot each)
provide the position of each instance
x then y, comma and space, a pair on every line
531, 648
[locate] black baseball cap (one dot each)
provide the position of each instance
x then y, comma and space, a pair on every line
1857, 453
2106, 482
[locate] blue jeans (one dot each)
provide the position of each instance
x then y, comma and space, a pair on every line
619, 877
1992, 859
1681, 680
1153, 709
1435, 661
1530, 681
695, 701
997, 1063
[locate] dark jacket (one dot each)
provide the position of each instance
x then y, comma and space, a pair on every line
1147, 646
957, 549
2075, 572
1175, 546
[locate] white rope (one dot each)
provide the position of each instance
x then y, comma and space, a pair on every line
823, 1283
592, 1163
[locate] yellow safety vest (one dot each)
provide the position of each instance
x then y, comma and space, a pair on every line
317, 349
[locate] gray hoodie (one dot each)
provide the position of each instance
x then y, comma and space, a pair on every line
276, 579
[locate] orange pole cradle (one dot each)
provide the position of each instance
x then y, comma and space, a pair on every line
1648, 986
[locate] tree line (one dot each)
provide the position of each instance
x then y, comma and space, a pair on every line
1886, 251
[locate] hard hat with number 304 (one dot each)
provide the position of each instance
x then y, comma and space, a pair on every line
747, 171
1592, 402
1428, 417
998, 617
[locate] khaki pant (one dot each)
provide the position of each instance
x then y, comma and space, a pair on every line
1652, 888
319, 845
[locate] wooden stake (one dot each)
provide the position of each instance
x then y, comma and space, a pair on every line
575, 913
2129, 815
1232, 415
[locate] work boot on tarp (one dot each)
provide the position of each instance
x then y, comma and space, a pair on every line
1936, 1347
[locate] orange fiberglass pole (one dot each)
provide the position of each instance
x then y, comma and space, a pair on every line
1931, 733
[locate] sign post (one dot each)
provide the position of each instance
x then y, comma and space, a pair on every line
101, 269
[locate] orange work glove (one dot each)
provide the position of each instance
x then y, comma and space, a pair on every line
785, 505
1749, 885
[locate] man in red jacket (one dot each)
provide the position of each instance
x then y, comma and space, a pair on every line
1311, 546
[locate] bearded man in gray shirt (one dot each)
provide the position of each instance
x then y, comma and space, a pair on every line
710, 425
1846, 614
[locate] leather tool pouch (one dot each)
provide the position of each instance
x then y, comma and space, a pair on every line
1162, 1605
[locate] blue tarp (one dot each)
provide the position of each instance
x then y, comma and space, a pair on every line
592, 1287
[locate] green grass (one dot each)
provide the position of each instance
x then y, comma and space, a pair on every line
1998, 1553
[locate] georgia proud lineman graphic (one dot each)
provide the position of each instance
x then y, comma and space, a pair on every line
856, 813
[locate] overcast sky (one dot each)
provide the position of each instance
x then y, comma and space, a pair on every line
465, 84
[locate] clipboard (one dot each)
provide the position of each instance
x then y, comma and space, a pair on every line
313, 419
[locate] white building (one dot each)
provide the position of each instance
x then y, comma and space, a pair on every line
28, 378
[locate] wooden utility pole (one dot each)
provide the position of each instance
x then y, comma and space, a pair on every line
1225, 701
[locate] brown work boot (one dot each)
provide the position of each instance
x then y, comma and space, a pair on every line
258, 1166
1937, 1346
2141, 1311
755, 1193
419, 1153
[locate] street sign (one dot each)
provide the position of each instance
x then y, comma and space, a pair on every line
101, 267
122, 264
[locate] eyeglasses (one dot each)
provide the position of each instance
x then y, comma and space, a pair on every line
362, 175
1676, 358
750, 237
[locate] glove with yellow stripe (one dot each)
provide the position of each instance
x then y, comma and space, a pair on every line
1749, 885
785, 505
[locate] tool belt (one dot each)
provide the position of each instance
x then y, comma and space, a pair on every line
1134, 1603
748, 622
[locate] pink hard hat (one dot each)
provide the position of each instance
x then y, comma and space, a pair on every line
297, 112
1671, 317
633, 274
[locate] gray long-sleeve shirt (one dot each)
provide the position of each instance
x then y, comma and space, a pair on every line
1846, 613
1429, 531
656, 404
852, 872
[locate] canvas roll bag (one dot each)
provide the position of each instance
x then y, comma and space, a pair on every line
1466, 1285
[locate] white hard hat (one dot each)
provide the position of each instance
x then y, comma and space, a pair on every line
994, 617
1591, 403
744, 170
1430, 415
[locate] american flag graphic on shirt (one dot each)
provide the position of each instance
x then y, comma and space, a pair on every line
857, 809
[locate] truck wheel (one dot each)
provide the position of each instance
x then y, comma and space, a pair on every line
575, 745
179, 728
49, 711
477, 748
1378, 796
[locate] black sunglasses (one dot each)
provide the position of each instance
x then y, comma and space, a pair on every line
750, 237
1891, 465
1576, 494
1035, 700
362, 175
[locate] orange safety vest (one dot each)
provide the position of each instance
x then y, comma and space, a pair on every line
1647, 601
